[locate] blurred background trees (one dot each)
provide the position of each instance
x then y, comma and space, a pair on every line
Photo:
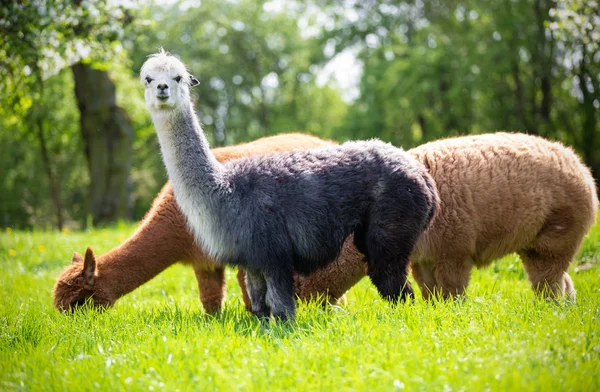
79, 147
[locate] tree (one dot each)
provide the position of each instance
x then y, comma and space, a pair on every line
575, 25
42, 37
433, 69
107, 134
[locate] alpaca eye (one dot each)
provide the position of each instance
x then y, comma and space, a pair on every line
177, 79
149, 79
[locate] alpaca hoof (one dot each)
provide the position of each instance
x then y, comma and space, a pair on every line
570, 291
283, 316
262, 314
342, 301
212, 309
263, 318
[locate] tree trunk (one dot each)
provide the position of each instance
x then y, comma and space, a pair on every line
107, 135
519, 90
52, 183
520, 98
50, 173
543, 60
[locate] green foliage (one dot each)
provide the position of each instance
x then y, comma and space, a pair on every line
42, 37
435, 69
38, 115
430, 70
24, 197
498, 338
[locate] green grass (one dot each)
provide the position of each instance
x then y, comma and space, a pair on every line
500, 338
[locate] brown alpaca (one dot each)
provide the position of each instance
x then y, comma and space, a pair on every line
504, 193
161, 240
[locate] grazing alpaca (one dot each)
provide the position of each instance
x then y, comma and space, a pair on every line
278, 213
502, 193
161, 240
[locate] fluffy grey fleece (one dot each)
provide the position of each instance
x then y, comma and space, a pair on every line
282, 212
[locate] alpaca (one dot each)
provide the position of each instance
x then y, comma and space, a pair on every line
503, 193
280, 213
161, 240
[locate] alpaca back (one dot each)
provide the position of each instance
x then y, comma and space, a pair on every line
270, 144
499, 191
320, 197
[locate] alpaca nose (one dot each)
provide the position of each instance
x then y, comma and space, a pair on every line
162, 87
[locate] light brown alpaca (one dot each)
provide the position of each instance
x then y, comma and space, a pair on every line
504, 193
161, 240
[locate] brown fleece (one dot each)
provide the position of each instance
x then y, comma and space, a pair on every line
161, 240
503, 193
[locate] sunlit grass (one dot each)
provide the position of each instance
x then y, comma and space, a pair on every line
500, 338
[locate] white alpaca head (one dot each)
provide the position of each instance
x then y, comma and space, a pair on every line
167, 82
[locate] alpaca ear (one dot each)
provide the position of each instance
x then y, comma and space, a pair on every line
89, 267
193, 81
77, 258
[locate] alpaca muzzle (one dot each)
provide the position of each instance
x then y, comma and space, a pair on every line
163, 92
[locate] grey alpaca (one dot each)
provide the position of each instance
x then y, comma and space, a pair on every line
282, 212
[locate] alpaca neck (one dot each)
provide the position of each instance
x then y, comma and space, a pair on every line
125, 268
161, 240
196, 175
189, 161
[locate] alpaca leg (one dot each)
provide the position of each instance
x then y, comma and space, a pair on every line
389, 275
280, 293
548, 274
547, 259
451, 277
211, 285
388, 266
241, 278
257, 291
389, 243
423, 274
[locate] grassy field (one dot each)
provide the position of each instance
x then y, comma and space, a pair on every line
500, 338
